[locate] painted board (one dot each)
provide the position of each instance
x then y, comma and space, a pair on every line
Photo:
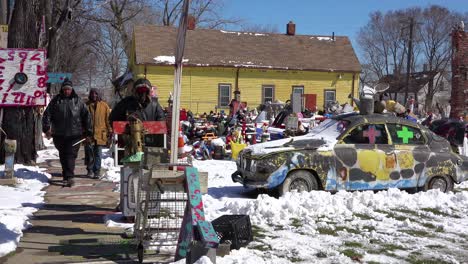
58, 77
3, 36
30, 68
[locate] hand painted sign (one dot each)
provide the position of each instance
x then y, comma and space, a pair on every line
58, 77
3, 36
23, 77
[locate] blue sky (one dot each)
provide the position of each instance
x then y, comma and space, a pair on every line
319, 17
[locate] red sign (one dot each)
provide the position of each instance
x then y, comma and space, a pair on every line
151, 127
23, 77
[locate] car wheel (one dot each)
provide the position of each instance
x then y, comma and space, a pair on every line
300, 180
442, 183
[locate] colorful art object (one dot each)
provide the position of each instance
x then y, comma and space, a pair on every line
23, 77
372, 133
354, 166
405, 134
194, 218
58, 77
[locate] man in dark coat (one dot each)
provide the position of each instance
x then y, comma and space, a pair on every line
67, 120
142, 106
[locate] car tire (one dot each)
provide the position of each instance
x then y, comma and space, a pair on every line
300, 180
443, 183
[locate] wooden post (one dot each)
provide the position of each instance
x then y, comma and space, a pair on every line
179, 54
10, 150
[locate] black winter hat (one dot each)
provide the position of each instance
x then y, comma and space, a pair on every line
67, 82
142, 83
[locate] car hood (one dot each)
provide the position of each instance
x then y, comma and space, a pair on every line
308, 141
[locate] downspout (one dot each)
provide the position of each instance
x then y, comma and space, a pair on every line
352, 89
236, 91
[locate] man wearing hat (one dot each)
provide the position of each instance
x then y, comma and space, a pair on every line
99, 111
140, 105
67, 120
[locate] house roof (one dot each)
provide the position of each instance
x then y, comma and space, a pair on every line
206, 47
417, 81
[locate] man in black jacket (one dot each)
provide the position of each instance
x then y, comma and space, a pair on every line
67, 120
142, 106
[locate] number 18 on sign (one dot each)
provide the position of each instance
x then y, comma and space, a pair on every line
23, 77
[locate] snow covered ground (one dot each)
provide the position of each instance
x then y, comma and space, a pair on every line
18, 203
319, 227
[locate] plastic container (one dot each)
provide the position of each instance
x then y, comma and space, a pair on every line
235, 228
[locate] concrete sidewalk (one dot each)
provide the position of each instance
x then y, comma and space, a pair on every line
70, 227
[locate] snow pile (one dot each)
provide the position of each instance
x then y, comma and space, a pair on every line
18, 203
50, 153
319, 227
107, 163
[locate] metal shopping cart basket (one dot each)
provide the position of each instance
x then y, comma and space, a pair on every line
161, 204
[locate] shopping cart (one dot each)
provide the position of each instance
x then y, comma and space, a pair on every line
169, 206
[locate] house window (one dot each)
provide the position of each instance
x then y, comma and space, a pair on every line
329, 96
268, 93
224, 95
299, 89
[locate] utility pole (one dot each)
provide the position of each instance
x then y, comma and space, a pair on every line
408, 64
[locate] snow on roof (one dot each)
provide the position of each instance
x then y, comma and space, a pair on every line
167, 59
322, 38
243, 33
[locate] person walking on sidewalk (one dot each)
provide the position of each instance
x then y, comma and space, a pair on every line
67, 120
99, 111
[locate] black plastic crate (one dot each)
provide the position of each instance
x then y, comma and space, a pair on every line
236, 228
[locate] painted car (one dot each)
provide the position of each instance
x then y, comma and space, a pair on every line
354, 152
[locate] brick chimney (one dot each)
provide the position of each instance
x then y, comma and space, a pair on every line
191, 22
459, 98
291, 29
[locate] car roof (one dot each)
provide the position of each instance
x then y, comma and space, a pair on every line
377, 118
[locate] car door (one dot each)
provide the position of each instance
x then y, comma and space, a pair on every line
364, 158
411, 152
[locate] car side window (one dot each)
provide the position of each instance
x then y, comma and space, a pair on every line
367, 134
402, 134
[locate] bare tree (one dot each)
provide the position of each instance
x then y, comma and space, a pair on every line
434, 31
28, 31
269, 28
384, 42
207, 13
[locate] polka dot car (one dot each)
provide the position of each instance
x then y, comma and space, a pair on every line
370, 152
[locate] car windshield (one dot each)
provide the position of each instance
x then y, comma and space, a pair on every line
329, 129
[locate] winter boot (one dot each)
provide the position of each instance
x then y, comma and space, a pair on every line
97, 175
70, 182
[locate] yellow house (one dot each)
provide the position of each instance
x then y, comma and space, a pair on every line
259, 67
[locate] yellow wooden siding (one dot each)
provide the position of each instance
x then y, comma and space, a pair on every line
200, 85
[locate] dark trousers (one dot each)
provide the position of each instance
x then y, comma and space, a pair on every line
67, 154
93, 157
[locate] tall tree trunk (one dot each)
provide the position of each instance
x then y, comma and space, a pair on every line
3, 12
19, 122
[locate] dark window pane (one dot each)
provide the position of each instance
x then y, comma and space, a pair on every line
367, 134
402, 134
224, 95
